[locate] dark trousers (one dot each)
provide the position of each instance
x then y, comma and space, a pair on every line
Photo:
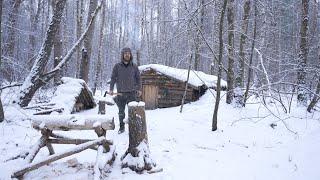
121, 101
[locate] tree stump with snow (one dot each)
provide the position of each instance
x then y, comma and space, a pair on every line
137, 156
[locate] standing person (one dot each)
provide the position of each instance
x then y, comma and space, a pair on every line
127, 77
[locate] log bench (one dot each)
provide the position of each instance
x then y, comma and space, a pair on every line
49, 123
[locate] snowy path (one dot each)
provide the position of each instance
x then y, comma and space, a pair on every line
185, 147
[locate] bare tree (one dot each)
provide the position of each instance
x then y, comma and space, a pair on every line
1, 107
37, 77
230, 73
216, 106
316, 96
303, 54
239, 82
251, 55
57, 50
86, 51
100, 51
80, 13
197, 41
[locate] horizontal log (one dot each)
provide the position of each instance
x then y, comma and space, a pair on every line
165, 79
78, 141
41, 106
72, 122
52, 158
74, 141
69, 141
48, 111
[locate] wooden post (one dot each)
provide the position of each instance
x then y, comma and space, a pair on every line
138, 140
46, 133
102, 107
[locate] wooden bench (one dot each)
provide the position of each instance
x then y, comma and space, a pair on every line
49, 123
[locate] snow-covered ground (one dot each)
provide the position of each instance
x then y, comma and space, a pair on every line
245, 146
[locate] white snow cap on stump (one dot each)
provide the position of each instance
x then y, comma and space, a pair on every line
135, 103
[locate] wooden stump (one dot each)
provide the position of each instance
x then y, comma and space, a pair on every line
137, 157
102, 107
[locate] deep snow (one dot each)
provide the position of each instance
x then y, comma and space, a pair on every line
244, 146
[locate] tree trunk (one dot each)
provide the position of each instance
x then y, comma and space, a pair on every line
80, 12
239, 84
315, 98
1, 107
216, 106
99, 64
34, 19
230, 74
85, 61
243, 38
33, 81
251, 56
138, 140
57, 52
303, 54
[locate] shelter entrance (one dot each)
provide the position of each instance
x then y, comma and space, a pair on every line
150, 96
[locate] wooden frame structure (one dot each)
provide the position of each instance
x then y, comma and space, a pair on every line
47, 124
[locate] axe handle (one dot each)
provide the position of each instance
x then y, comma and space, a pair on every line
113, 94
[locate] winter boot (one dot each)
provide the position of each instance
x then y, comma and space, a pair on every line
121, 129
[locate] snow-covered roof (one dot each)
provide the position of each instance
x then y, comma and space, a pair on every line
66, 93
196, 78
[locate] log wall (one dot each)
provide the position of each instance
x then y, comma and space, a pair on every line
170, 91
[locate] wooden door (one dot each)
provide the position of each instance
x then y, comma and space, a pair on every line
150, 96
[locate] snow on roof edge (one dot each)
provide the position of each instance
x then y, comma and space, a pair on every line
196, 78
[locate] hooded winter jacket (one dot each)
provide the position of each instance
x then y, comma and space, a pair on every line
126, 76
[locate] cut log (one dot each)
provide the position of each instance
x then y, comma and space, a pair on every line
137, 157
102, 107
72, 122
57, 156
